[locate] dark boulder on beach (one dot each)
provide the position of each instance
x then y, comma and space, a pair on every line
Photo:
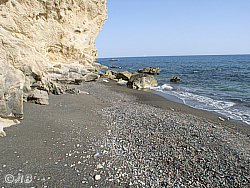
38, 97
91, 77
99, 67
110, 74
124, 75
150, 70
141, 81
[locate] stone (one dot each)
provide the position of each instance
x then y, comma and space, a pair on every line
141, 81
122, 82
99, 166
124, 75
106, 81
2, 133
83, 92
11, 90
78, 81
54, 88
91, 77
6, 123
39, 97
221, 118
96, 155
110, 74
175, 79
72, 91
97, 177
150, 70
99, 67
115, 67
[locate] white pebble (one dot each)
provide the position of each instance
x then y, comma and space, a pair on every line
97, 177
99, 166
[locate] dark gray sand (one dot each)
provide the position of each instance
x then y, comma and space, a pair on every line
123, 138
54, 143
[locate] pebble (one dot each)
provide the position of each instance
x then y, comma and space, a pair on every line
99, 166
221, 119
97, 177
96, 155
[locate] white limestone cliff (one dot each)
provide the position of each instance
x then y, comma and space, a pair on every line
42, 41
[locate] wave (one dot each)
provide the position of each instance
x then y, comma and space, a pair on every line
203, 101
164, 87
226, 108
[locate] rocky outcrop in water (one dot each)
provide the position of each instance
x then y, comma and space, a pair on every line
43, 42
175, 79
141, 81
150, 70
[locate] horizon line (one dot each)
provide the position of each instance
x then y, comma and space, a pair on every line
173, 55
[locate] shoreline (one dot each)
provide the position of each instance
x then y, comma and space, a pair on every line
151, 97
118, 137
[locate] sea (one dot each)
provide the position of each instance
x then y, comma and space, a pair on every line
217, 83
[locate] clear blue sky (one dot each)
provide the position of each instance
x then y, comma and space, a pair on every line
175, 27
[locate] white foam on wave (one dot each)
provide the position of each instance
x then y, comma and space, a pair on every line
204, 101
226, 108
164, 87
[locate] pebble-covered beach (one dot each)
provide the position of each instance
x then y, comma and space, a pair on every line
112, 139
150, 147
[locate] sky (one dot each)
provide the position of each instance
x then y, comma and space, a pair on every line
175, 27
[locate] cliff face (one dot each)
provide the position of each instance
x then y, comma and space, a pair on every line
42, 41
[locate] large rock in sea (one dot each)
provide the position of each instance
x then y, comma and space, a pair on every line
175, 79
150, 70
142, 81
45, 41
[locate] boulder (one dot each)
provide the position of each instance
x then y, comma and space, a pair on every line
141, 81
6, 123
91, 77
55, 88
11, 90
72, 91
122, 82
175, 79
150, 70
123, 75
110, 74
99, 67
38, 97
77, 81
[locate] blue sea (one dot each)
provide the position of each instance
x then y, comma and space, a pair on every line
218, 83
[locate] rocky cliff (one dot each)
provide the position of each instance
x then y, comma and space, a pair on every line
43, 42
